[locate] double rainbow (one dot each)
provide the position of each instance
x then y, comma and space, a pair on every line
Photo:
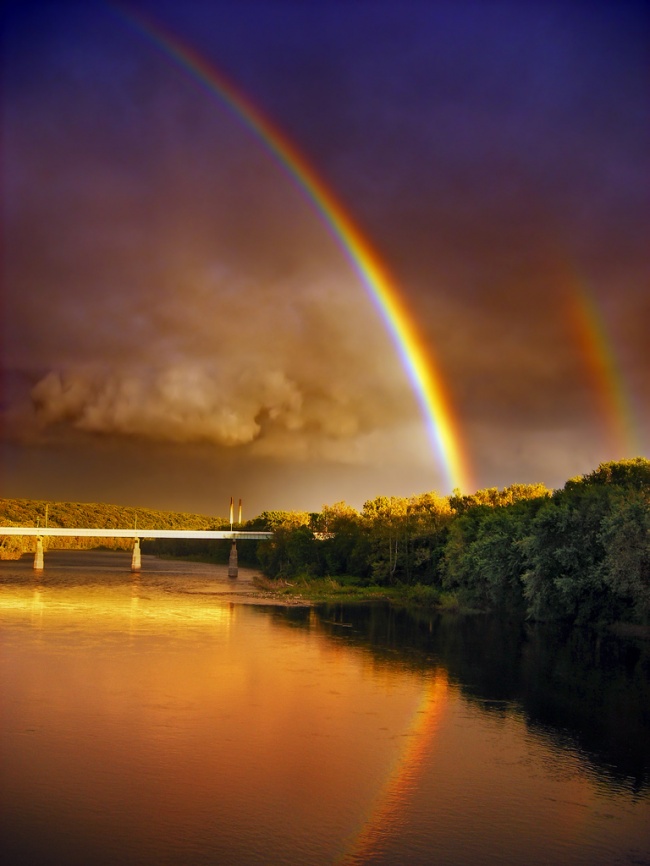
423, 373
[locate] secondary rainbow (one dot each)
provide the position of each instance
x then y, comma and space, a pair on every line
596, 347
418, 362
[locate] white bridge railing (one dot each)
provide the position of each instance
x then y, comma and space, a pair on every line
55, 531
41, 532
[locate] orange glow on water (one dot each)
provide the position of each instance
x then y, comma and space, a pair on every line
150, 711
146, 720
403, 779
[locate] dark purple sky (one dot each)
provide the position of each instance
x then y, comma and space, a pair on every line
179, 324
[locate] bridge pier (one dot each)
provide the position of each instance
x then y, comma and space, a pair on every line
38, 556
233, 569
136, 561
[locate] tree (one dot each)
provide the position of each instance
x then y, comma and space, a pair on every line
629, 474
625, 535
565, 552
386, 517
271, 520
494, 497
429, 518
345, 545
290, 551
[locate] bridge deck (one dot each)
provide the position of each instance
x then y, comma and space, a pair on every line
134, 533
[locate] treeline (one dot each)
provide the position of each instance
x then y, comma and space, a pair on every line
580, 554
91, 515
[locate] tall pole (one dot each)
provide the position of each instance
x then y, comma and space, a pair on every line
232, 506
239, 521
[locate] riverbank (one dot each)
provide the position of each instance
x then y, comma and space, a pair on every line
349, 590
328, 590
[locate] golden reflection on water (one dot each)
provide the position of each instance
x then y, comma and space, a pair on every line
146, 723
105, 606
37, 607
160, 722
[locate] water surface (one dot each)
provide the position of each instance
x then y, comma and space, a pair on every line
158, 720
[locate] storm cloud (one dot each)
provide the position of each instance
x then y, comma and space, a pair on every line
168, 284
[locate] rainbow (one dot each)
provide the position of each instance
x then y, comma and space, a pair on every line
384, 816
595, 345
423, 373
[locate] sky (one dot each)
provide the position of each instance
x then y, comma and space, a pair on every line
181, 323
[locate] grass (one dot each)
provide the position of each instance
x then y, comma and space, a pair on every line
321, 589
348, 588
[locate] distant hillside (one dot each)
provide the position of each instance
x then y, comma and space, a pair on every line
91, 515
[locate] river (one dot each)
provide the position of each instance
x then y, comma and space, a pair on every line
172, 718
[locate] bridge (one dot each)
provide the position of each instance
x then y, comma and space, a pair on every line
136, 534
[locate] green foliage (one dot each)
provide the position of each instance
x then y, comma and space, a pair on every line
269, 521
587, 551
407, 537
625, 536
560, 569
493, 497
345, 541
292, 551
386, 516
632, 474
484, 557
423, 595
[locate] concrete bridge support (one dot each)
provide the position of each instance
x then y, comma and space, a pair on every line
38, 556
233, 569
136, 560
